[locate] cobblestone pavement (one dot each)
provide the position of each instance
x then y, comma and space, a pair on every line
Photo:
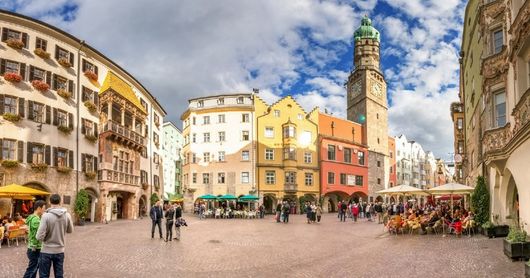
263, 248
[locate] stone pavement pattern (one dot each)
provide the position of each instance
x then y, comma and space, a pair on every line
263, 248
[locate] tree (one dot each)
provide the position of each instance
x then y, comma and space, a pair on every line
81, 204
480, 201
154, 198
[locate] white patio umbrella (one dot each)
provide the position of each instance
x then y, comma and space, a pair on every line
403, 190
451, 189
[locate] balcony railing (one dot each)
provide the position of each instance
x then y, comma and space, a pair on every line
290, 187
115, 176
123, 133
496, 139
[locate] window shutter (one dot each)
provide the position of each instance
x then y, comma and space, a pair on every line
20, 155
25, 39
49, 78
47, 154
83, 162
31, 70
71, 121
48, 114
4, 34
95, 163
96, 70
83, 65
55, 120
71, 159
30, 153
71, 86
83, 129
54, 83
2, 66
55, 156
96, 132
23, 71
56, 52
72, 59
1, 105
31, 116
83, 95
21, 107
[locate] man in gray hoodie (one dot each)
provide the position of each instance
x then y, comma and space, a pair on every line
53, 226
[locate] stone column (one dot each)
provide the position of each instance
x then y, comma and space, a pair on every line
109, 110
123, 116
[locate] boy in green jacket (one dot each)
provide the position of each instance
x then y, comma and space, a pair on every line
34, 245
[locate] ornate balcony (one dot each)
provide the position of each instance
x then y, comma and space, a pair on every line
521, 112
115, 176
290, 187
123, 135
496, 139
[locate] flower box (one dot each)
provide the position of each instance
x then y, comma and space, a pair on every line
64, 93
64, 129
41, 53
91, 138
9, 163
145, 186
90, 175
91, 75
11, 117
15, 43
63, 170
64, 62
40, 85
91, 106
12, 77
516, 250
39, 167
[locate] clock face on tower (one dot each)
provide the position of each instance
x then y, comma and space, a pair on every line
376, 89
355, 89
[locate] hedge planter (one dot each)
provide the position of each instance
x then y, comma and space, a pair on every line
90, 175
502, 230
516, 250
63, 170
40, 85
91, 106
11, 117
14, 43
9, 164
91, 75
64, 129
64, 93
527, 270
39, 167
64, 62
91, 138
41, 53
12, 77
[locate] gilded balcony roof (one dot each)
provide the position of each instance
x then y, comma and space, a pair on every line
119, 86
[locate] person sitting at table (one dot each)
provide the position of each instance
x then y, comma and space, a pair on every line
434, 217
469, 221
20, 221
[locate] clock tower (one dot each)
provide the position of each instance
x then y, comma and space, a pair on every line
367, 103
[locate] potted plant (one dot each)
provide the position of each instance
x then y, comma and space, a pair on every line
90, 137
480, 202
81, 206
527, 269
63, 169
40, 85
64, 62
39, 167
11, 117
488, 229
91, 75
64, 129
41, 53
15, 43
12, 77
9, 164
514, 244
90, 175
91, 106
64, 93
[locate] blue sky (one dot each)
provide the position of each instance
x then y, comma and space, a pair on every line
185, 49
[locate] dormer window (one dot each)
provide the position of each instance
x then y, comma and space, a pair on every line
240, 100
220, 101
200, 103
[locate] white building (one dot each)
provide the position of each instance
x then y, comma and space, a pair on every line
172, 143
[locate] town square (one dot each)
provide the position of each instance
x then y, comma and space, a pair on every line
304, 138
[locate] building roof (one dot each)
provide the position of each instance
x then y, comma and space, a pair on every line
366, 30
119, 86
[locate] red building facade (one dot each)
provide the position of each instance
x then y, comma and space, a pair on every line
392, 155
343, 161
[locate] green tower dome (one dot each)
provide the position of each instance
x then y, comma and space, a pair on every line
366, 31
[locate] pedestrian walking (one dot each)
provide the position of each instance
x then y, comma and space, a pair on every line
286, 212
367, 208
54, 224
34, 245
313, 213
319, 213
343, 208
170, 215
178, 217
355, 212
279, 212
156, 215
308, 212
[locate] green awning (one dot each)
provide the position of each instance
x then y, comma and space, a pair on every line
249, 198
228, 197
208, 197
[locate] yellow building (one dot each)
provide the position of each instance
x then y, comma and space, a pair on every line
287, 159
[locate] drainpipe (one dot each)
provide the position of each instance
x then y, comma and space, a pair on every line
78, 89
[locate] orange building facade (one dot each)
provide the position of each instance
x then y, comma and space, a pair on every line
392, 181
343, 161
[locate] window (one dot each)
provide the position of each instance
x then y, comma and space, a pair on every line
246, 135
156, 180
300, 117
245, 156
194, 138
277, 113
378, 181
290, 177
200, 103
206, 157
245, 118
308, 179
331, 178
37, 153
270, 177
41, 43
460, 123
347, 155
245, 176
10, 104
289, 132
206, 120
497, 41
221, 156
206, 137
378, 163
157, 120
9, 149
59, 82
221, 118
194, 178
193, 158
289, 153
461, 147
88, 127
331, 152
62, 118
240, 100
194, 121
221, 136
499, 109
391, 154
144, 104
269, 154
343, 178
156, 139
87, 163
360, 157
220, 101
37, 74
308, 157
391, 170
11, 66
359, 180
61, 53
87, 66
205, 178
61, 157
221, 178
12, 34
269, 132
